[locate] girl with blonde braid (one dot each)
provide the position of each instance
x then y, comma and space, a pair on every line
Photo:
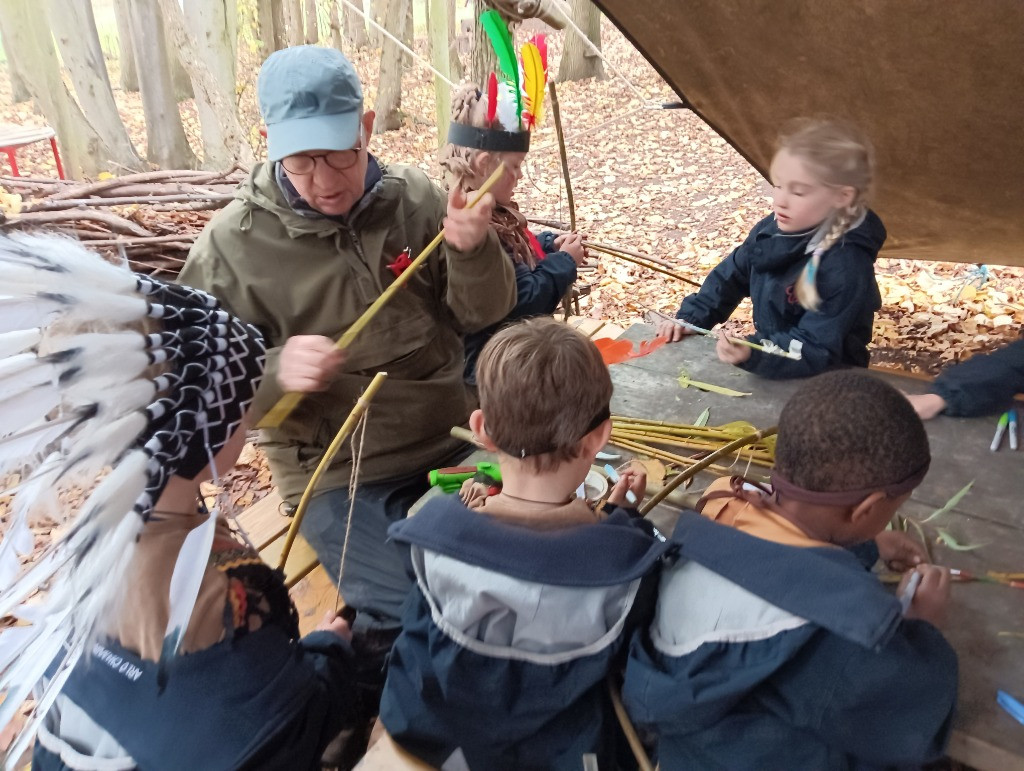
481, 136
808, 267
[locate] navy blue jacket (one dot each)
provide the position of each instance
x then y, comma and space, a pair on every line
510, 635
538, 293
763, 655
984, 384
765, 268
262, 701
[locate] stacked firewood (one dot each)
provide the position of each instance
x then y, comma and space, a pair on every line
150, 219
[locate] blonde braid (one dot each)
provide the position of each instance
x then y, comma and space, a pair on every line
807, 285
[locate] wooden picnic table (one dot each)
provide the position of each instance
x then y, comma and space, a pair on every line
986, 623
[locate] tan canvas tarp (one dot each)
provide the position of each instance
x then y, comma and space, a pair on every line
939, 86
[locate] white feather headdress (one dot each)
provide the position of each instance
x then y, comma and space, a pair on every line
78, 396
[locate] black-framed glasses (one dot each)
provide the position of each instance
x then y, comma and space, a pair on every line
339, 160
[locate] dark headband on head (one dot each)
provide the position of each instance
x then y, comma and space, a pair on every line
489, 139
526, 452
783, 486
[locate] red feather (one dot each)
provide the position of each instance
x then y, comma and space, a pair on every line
492, 98
535, 244
541, 42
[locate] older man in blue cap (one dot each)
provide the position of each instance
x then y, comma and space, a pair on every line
313, 237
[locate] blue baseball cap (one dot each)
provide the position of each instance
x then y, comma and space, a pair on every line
311, 99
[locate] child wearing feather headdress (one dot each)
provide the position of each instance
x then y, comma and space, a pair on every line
162, 641
494, 127
809, 267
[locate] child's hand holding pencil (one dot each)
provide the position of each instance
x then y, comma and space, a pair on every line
924, 593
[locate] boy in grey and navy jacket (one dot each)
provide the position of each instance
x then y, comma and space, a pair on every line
524, 600
772, 646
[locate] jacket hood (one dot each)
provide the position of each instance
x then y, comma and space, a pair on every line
777, 251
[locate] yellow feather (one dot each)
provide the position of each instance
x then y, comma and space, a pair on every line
534, 80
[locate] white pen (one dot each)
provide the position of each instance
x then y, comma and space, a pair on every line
1013, 428
614, 476
908, 593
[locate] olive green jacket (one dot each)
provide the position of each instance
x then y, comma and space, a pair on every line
291, 273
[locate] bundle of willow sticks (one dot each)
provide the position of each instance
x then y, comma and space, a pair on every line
685, 445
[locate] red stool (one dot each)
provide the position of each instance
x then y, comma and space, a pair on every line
13, 136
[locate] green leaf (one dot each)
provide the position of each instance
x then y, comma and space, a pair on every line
685, 381
955, 545
704, 418
950, 504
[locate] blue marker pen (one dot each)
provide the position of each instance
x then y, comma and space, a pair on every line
1013, 428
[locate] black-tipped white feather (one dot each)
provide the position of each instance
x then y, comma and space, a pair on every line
78, 398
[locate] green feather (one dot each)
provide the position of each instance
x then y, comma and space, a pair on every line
501, 39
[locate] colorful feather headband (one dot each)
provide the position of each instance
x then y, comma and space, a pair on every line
515, 105
76, 402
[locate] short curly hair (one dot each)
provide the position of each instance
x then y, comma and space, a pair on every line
847, 430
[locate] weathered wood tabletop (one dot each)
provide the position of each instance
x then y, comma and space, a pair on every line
986, 621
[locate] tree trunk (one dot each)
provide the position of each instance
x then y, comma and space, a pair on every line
389, 88
19, 86
293, 21
408, 35
484, 60
312, 36
378, 10
265, 19
437, 30
126, 54
179, 75
355, 27
334, 20
167, 145
280, 15
578, 59
30, 43
74, 28
454, 62
205, 34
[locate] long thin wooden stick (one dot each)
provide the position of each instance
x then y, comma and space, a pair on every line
636, 259
704, 463
737, 340
563, 156
353, 417
287, 403
629, 730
